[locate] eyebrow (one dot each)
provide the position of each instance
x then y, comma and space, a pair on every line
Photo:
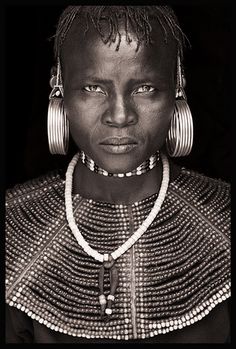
98, 80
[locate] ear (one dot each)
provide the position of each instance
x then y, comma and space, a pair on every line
53, 70
53, 73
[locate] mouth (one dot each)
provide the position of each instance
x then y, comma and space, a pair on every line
118, 145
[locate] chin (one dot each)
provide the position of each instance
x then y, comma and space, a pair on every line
120, 163
118, 166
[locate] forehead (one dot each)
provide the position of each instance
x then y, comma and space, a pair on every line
84, 45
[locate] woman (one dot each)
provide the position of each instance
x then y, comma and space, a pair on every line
128, 247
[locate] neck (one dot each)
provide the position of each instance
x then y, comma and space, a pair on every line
116, 190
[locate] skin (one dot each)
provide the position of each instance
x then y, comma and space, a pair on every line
124, 93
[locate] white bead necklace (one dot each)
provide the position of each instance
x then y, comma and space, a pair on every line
136, 235
109, 260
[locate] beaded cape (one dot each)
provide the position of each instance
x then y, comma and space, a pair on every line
173, 276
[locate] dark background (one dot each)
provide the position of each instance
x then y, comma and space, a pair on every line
28, 60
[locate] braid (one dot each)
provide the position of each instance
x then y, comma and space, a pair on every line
136, 18
65, 22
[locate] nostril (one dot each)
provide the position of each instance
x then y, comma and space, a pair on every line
108, 122
132, 121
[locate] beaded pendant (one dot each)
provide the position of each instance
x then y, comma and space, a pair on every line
109, 265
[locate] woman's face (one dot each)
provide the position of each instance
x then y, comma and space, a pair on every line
118, 103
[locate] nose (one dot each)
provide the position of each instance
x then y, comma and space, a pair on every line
119, 113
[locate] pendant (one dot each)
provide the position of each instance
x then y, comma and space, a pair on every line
106, 303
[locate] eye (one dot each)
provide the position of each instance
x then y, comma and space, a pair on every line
94, 88
144, 89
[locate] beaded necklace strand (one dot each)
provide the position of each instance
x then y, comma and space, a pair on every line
146, 166
109, 260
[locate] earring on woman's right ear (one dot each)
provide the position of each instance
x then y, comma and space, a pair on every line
180, 135
57, 123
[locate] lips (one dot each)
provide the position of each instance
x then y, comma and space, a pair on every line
118, 141
118, 145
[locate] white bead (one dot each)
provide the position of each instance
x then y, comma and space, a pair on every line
149, 221
98, 256
128, 244
136, 235
86, 249
108, 311
111, 297
102, 299
120, 250
146, 224
152, 215
114, 255
132, 239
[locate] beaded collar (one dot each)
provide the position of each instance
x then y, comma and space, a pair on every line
146, 166
171, 278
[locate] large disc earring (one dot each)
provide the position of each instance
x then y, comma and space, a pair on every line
180, 135
57, 123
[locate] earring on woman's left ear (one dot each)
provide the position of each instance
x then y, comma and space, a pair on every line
57, 123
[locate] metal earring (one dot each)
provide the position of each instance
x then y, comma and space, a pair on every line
180, 135
57, 123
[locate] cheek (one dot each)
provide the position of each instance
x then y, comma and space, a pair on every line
77, 110
156, 117
82, 116
81, 120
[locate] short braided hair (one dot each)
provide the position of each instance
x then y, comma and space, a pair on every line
137, 18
